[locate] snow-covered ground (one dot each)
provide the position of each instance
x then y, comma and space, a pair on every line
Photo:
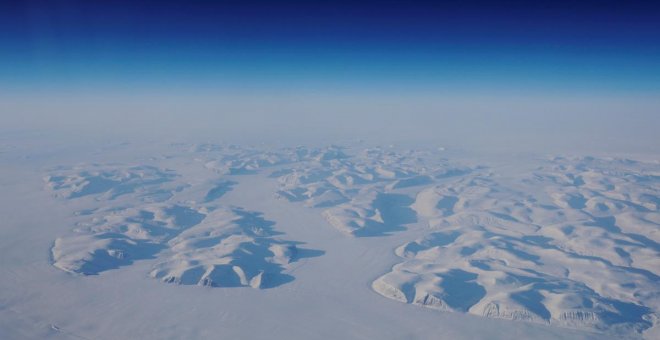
186, 240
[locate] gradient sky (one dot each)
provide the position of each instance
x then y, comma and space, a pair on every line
600, 53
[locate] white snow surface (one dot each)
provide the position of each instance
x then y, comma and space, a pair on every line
220, 241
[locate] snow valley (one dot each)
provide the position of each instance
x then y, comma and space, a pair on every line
212, 240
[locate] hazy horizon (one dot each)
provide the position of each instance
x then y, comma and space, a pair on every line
550, 75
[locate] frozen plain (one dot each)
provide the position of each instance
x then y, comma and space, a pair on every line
214, 240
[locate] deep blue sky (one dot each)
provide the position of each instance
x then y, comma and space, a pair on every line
581, 46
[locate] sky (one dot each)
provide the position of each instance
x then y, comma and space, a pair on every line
588, 70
